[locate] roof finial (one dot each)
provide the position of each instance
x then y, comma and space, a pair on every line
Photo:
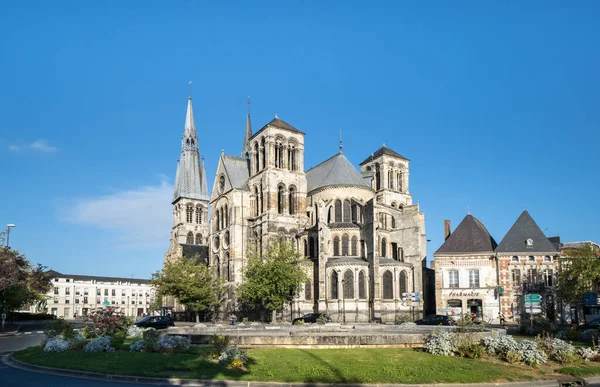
468, 210
190, 89
248, 102
276, 116
525, 208
341, 145
222, 152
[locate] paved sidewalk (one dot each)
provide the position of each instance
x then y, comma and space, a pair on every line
9, 330
11, 362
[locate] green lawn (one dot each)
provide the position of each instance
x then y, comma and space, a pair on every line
359, 365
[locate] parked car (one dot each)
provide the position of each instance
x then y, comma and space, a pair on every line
435, 319
156, 322
311, 318
593, 324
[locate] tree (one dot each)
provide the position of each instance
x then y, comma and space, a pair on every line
191, 282
273, 279
21, 283
580, 273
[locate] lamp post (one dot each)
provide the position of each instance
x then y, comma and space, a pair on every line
8, 227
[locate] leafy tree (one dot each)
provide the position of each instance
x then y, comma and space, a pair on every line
273, 279
21, 283
191, 282
580, 273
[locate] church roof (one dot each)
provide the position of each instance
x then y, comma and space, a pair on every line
336, 170
278, 123
470, 237
384, 150
237, 171
515, 240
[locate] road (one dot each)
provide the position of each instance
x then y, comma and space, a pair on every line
31, 334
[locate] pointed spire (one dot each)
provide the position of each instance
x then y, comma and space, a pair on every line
248, 134
190, 127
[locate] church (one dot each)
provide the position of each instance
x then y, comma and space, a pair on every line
363, 237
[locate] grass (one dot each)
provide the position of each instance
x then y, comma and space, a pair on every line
358, 365
580, 371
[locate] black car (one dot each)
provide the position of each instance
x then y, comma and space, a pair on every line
593, 324
435, 319
156, 322
311, 318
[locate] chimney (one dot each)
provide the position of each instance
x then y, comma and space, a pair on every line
446, 229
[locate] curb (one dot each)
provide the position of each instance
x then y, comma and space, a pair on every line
10, 361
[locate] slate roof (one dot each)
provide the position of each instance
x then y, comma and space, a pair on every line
515, 240
336, 170
278, 123
384, 150
81, 277
190, 251
237, 171
470, 237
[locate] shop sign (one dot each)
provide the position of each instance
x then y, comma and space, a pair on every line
463, 293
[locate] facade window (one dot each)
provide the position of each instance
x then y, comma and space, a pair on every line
97, 300
98, 292
305, 243
388, 285
531, 258
106, 292
336, 246
190, 238
354, 246
383, 247
399, 181
516, 277
292, 201
402, 282
292, 158
453, 279
311, 246
348, 284
263, 146
548, 278
347, 211
362, 286
338, 211
85, 291
278, 155
189, 214
377, 177
77, 291
532, 275
473, 278
67, 301
391, 179
85, 299
307, 291
67, 291
114, 292
515, 259
198, 239
55, 290
334, 285
56, 300
123, 293
547, 258
280, 200
198, 215
77, 300
345, 243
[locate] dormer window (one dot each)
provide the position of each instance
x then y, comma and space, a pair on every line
221, 183
529, 242
531, 258
515, 258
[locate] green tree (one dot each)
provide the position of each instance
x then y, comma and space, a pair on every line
273, 279
21, 282
191, 282
580, 273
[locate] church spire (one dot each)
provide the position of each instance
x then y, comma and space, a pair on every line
248, 134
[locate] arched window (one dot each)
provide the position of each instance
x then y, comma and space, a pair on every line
222, 217
390, 179
402, 282
305, 248
198, 215
278, 154
338, 211
256, 158
354, 213
311, 246
263, 151
383, 247
401, 254
377, 177
189, 214
280, 199
362, 286
329, 216
257, 201
334, 285
353, 247
217, 224
336, 246
400, 178
388, 285
190, 238
347, 211
307, 290
345, 240
292, 201
393, 222
226, 216
198, 239
292, 158
348, 284
217, 263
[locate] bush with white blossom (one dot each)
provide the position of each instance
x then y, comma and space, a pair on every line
101, 344
134, 331
172, 344
441, 343
232, 356
137, 346
587, 353
56, 344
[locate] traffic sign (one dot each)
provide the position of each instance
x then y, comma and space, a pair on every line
590, 298
106, 303
533, 297
529, 305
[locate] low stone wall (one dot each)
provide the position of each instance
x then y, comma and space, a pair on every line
314, 336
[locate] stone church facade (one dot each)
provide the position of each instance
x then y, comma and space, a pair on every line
363, 237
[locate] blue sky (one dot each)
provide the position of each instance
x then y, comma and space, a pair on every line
495, 103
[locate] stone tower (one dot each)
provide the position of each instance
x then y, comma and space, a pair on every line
190, 199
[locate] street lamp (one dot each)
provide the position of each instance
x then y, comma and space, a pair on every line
8, 227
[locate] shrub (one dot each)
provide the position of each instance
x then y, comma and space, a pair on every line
56, 344
134, 331
587, 354
78, 345
233, 354
572, 334
557, 349
118, 339
465, 323
513, 357
322, 319
171, 344
440, 343
530, 353
218, 344
470, 350
589, 335
101, 344
150, 337
403, 318
245, 320
60, 327
508, 349
137, 346
499, 344
89, 332
108, 321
